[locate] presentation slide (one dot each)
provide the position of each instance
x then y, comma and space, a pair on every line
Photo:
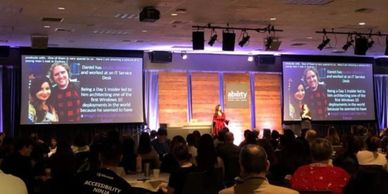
81, 89
330, 91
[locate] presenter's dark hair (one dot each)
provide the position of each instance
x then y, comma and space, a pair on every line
253, 158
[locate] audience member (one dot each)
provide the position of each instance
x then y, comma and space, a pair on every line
229, 153
107, 178
190, 138
371, 156
10, 184
169, 162
161, 144
254, 166
147, 152
348, 159
320, 175
178, 177
128, 162
20, 164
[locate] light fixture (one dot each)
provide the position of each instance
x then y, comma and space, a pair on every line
228, 39
245, 38
360, 40
184, 55
268, 42
250, 58
213, 38
325, 41
349, 42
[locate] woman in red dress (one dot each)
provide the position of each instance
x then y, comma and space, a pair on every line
219, 121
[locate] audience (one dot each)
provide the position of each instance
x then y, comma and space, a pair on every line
370, 156
320, 175
254, 166
161, 144
146, 151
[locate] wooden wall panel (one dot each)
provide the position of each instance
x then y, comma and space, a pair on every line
173, 98
267, 101
205, 96
240, 118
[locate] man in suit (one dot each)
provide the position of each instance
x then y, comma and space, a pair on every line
254, 165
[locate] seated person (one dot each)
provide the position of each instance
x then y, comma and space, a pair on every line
370, 156
254, 166
105, 179
320, 175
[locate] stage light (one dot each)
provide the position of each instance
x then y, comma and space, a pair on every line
268, 42
250, 58
324, 42
348, 43
213, 38
184, 55
244, 39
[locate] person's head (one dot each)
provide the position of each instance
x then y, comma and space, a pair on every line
321, 149
190, 138
299, 92
218, 108
40, 89
372, 143
311, 77
24, 146
111, 152
229, 137
181, 152
253, 159
144, 143
53, 142
60, 74
162, 133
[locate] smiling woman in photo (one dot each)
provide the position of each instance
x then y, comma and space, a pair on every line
40, 108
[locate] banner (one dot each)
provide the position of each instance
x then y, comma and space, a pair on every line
237, 95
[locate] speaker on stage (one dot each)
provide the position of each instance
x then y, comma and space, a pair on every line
198, 40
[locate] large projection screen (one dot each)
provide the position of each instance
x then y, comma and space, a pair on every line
333, 91
72, 89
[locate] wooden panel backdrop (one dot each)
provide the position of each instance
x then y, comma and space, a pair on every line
240, 118
205, 96
267, 101
173, 98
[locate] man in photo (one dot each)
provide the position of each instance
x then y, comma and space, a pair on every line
316, 94
66, 94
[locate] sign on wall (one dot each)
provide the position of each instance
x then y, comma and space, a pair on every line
237, 95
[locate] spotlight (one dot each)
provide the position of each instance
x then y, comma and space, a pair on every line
361, 45
324, 42
250, 58
244, 39
370, 43
348, 43
213, 38
268, 42
184, 55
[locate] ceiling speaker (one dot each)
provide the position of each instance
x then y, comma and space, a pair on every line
198, 40
4, 51
39, 41
160, 56
149, 14
361, 46
228, 39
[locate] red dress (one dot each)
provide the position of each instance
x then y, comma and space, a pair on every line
320, 178
218, 123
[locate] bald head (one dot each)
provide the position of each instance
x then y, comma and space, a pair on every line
229, 138
253, 159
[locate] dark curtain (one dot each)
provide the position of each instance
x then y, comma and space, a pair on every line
381, 98
11, 99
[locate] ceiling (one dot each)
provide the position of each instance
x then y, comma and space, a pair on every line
114, 24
